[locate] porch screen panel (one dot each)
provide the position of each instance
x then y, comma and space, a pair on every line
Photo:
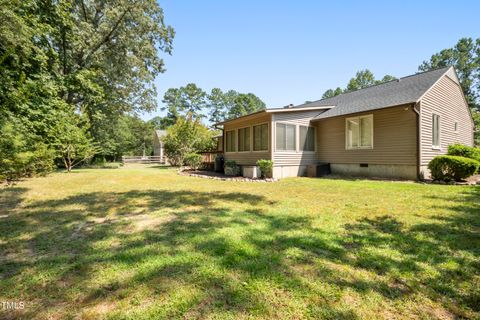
260, 137
244, 139
230, 141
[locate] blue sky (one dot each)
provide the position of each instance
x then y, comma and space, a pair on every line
289, 52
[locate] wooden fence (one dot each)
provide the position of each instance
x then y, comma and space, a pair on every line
141, 159
209, 156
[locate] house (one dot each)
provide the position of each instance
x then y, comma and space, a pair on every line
158, 144
390, 130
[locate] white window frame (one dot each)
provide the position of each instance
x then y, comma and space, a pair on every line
358, 147
249, 138
235, 141
314, 139
296, 146
252, 147
439, 128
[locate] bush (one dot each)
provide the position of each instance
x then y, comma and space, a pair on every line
184, 137
448, 168
464, 151
20, 157
42, 160
266, 167
231, 168
193, 160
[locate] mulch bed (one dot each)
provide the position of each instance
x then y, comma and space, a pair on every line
220, 176
472, 180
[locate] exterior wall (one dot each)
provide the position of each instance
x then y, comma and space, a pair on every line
446, 99
297, 157
248, 157
377, 170
394, 143
285, 171
293, 163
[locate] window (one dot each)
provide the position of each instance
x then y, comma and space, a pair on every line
244, 139
285, 137
436, 131
455, 127
260, 137
359, 132
230, 143
307, 138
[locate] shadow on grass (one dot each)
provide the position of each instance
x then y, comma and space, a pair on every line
225, 246
10, 198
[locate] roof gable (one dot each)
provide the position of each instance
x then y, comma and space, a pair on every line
393, 93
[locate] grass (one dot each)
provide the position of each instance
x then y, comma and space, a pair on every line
144, 243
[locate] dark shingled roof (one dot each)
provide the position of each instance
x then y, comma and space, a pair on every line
393, 93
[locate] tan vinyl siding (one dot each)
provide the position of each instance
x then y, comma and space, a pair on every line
394, 139
249, 157
446, 99
297, 157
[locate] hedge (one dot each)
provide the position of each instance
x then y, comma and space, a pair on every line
448, 168
464, 151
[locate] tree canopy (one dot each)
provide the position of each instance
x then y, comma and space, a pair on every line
216, 106
93, 60
465, 57
362, 79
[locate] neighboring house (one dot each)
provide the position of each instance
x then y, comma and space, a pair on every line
392, 129
158, 144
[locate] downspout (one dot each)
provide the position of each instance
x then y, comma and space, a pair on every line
414, 108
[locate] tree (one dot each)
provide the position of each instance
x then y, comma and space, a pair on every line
465, 57
71, 142
160, 123
193, 100
19, 157
134, 136
92, 59
172, 99
99, 57
386, 78
244, 104
189, 99
362, 79
187, 136
332, 93
217, 103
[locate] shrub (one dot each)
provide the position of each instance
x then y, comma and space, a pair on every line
448, 168
42, 160
464, 151
186, 136
20, 157
231, 168
266, 167
193, 160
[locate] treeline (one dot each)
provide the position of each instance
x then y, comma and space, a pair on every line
464, 56
73, 74
213, 107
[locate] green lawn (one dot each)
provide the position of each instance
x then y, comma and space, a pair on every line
145, 243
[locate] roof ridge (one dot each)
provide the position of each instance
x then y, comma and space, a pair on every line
379, 84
